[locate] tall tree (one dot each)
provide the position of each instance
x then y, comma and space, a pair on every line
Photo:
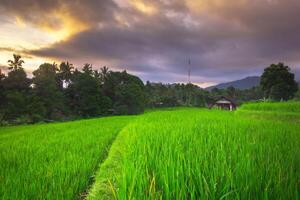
104, 71
48, 90
278, 83
84, 94
65, 73
87, 68
119, 88
16, 87
130, 99
17, 77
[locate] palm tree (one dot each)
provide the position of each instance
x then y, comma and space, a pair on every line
104, 70
87, 68
16, 63
65, 71
104, 73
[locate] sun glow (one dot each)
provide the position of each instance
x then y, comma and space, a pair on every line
205, 5
143, 7
19, 35
67, 26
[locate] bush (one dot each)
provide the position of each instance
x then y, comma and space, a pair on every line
35, 118
23, 119
121, 110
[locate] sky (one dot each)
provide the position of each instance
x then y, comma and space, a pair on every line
225, 40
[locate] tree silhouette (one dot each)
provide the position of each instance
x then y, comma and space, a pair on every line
87, 68
278, 83
104, 70
65, 71
104, 73
47, 89
16, 63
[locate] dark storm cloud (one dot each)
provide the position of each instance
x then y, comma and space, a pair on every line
224, 39
42, 12
21, 51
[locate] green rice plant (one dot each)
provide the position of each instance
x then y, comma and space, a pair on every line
54, 161
276, 111
289, 117
289, 106
202, 154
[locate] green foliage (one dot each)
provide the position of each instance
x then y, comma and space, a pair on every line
65, 73
126, 91
85, 97
36, 108
130, 99
54, 161
278, 83
16, 80
201, 154
47, 88
16, 105
59, 92
14, 95
171, 95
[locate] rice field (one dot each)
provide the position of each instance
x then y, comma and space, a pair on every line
54, 161
290, 106
182, 153
276, 111
202, 154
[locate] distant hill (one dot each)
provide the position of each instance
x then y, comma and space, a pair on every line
242, 84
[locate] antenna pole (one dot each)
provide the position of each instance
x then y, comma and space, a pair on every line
189, 71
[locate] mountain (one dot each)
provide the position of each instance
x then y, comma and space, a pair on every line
242, 84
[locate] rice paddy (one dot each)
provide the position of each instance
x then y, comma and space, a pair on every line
290, 106
54, 161
201, 154
184, 153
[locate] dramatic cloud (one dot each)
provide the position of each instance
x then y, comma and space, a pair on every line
224, 40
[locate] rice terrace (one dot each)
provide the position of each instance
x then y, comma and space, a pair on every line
150, 100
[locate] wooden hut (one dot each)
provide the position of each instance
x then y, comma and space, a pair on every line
224, 103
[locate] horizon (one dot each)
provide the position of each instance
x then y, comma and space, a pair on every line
154, 40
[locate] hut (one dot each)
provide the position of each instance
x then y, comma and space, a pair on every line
224, 103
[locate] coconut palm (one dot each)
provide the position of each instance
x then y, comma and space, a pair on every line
16, 63
65, 71
87, 68
104, 73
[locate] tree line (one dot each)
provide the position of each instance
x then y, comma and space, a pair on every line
277, 84
63, 92
171, 95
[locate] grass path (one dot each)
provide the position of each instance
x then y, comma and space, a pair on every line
110, 170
